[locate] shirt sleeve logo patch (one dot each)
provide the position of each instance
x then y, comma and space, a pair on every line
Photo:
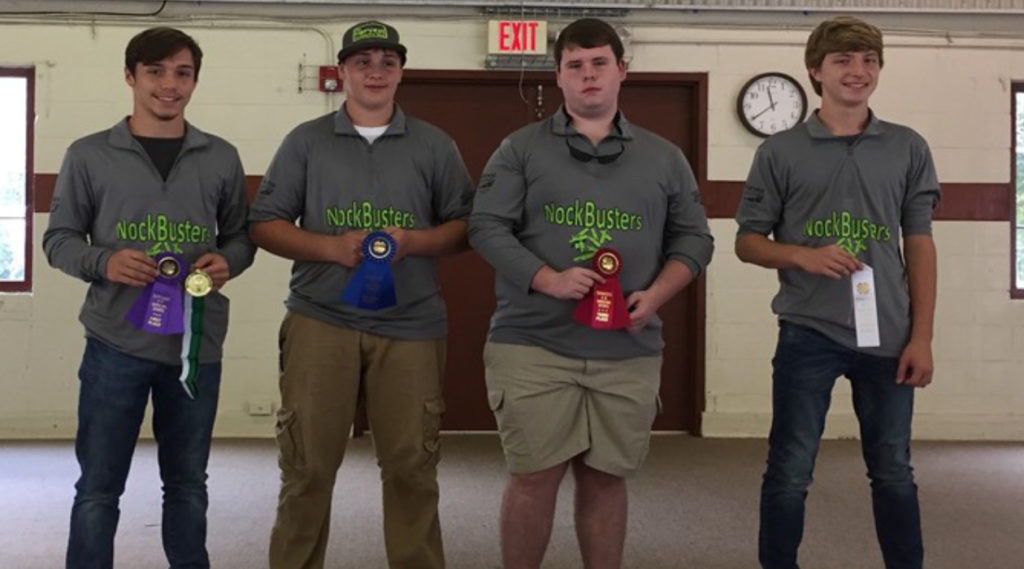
486, 181
753, 195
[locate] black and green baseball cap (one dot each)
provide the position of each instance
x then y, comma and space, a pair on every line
367, 35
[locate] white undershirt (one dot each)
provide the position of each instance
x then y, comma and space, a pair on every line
371, 133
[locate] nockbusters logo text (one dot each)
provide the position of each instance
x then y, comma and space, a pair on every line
160, 228
851, 233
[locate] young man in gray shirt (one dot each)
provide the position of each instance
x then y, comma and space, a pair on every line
135, 209
363, 170
836, 193
555, 197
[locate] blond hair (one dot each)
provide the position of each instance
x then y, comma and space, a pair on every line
837, 35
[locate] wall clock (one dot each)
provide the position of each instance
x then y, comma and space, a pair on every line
770, 103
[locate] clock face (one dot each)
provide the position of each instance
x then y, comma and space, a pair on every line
771, 103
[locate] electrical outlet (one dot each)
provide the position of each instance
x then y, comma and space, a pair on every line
260, 408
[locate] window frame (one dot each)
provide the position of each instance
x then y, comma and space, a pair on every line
1016, 87
29, 73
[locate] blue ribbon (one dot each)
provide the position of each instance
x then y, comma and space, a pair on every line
373, 285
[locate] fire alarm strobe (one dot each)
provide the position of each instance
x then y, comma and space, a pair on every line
329, 80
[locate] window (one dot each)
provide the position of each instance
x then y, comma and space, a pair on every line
16, 116
1017, 216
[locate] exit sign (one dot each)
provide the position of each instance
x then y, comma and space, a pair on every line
517, 36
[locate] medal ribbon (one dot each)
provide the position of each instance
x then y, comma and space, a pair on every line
604, 307
373, 285
191, 341
158, 308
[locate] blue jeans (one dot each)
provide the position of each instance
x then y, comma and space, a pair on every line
111, 404
806, 366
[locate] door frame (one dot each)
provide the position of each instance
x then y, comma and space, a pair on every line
697, 81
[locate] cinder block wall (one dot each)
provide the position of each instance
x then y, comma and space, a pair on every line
957, 96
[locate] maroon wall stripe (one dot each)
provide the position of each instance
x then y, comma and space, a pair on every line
960, 202
44, 184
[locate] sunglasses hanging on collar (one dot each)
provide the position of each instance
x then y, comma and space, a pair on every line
584, 156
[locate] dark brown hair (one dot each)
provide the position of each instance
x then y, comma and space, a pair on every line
588, 33
154, 44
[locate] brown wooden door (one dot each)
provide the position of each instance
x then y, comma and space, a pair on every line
478, 109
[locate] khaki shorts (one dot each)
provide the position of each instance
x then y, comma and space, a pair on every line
551, 408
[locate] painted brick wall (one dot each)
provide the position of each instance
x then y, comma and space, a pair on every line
957, 97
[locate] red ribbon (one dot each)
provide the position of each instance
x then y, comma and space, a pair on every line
604, 307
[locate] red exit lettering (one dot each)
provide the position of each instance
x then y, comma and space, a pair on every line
517, 36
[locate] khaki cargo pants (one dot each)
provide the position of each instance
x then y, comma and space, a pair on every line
325, 369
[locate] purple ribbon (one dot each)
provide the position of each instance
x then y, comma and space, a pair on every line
159, 308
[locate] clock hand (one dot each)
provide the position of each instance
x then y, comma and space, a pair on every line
762, 112
770, 100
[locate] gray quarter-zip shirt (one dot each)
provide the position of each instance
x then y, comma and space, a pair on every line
811, 188
110, 196
537, 205
330, 179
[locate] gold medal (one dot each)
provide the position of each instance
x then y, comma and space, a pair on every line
198, 283
169, 267
380, 248
608, 263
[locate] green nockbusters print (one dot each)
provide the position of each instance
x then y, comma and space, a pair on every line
163, 233
370, 31
588, 241
596, 224
851, 233
364, 215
